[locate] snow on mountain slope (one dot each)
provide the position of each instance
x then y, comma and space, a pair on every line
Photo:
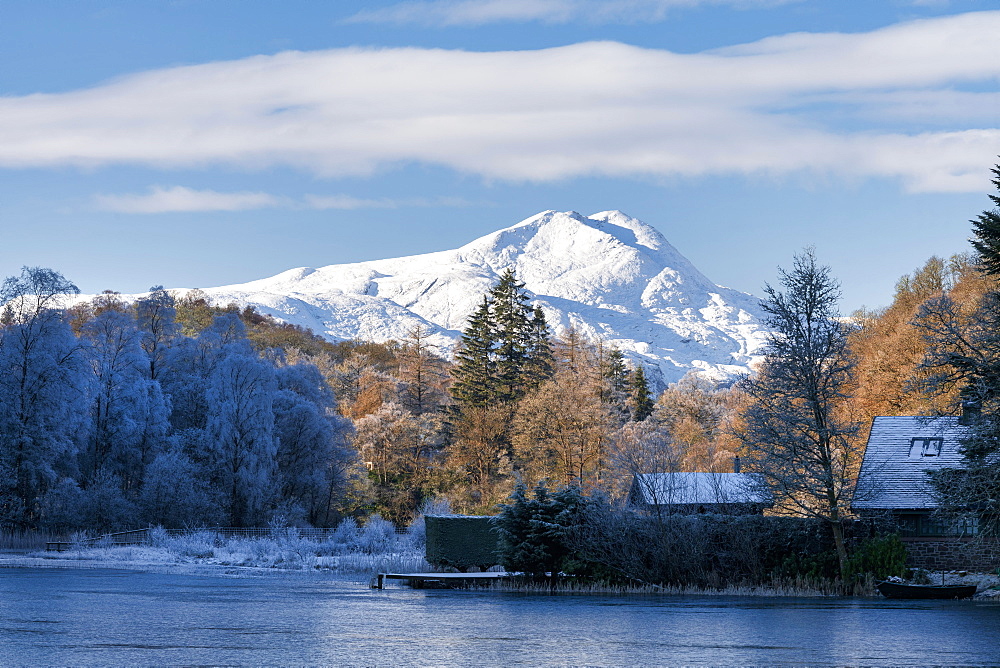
610, 276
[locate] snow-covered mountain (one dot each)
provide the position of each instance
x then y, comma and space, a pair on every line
610, 276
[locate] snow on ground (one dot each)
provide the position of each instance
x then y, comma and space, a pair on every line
350, 550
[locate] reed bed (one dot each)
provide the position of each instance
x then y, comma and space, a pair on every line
797, 587
351, 549
28, 540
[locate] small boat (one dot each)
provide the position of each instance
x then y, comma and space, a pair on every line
901, 590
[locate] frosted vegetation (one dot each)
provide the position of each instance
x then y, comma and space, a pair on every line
349, 549
113, 416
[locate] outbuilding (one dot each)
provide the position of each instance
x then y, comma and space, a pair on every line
700, 492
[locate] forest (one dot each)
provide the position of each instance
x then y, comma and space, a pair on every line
175, 412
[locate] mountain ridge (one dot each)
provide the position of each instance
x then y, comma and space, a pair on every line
609, 275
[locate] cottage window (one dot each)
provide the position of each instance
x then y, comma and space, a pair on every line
925, 447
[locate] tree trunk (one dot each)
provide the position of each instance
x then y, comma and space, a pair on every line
838, 539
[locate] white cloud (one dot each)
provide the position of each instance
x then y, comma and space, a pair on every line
788, 104
446, 13
349, 202
177, 199
181, 199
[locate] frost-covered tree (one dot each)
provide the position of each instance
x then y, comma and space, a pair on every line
128, 411
397, 446
240, 426
175, 493
42, 392
190, 364
311, 441
156, 317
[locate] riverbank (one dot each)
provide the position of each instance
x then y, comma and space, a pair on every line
364, 551
360, 552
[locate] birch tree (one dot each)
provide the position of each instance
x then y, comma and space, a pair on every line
42, 391
241, 428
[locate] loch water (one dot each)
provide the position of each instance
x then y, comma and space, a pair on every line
79, 617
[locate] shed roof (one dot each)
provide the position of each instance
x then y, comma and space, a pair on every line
699, 488
894, 469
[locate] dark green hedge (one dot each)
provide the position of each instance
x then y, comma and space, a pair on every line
462, 541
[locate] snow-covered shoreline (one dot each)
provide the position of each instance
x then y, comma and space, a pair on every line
360, 553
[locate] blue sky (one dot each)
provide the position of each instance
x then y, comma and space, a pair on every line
196, 143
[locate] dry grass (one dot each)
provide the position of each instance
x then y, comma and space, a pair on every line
27, 540
777, 588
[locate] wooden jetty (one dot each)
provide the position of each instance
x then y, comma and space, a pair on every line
438, 580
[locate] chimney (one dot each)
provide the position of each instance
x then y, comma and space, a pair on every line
970, 411
736, 464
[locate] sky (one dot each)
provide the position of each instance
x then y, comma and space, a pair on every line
196, 143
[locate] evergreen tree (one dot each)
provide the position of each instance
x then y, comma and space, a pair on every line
505, 350
475, 368
512, 319
986, 228
640, 398
964, 353
541, 360
534, 530
615, 377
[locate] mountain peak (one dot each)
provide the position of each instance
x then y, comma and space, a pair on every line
608, 275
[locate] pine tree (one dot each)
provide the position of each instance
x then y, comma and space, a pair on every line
541, 360
640, 398
986, 228
512, 318
614, 379
505, 350
534, 530
475, 369
964, 353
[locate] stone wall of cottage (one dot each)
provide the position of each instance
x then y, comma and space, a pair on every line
952, 554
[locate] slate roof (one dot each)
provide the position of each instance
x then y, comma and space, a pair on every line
698, 489
893, 472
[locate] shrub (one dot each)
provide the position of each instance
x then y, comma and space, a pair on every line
881, 557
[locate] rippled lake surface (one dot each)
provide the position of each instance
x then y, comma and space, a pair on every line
120, 617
